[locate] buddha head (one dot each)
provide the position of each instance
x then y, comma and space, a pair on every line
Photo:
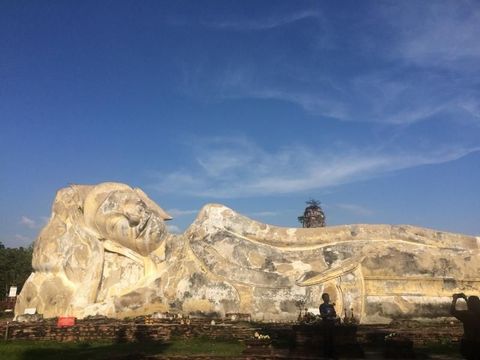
125, 216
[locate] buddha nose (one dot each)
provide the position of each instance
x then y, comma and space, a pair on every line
134, 215
133, 219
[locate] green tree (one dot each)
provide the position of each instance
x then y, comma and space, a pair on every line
15, 267
313, 216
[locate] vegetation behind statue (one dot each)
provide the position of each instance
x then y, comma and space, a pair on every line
313, 216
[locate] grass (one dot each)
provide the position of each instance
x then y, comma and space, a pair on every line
206, 347
44, 350
442, 348
26, 350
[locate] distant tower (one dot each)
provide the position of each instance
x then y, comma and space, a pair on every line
313, 216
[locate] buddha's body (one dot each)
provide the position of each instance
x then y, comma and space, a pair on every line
117, 260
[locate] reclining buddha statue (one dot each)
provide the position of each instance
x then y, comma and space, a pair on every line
106, 251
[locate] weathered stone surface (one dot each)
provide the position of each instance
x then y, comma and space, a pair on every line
106, 251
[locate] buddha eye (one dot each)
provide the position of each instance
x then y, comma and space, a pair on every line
141, 206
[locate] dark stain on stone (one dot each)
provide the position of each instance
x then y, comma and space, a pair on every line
217, 237
289, 306
239, 255
397, 261
391, 310
329, 257
132, 300
354, 231
177, 304
400, 229
206, 314
444, 267
230, 305
309, 274
156, 300
449, 284
268, 265
197, 280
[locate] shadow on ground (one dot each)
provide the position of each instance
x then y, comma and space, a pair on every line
91, 351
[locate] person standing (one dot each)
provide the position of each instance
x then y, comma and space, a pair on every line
470, 345
329, 316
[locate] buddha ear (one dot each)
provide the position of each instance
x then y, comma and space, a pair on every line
152, 205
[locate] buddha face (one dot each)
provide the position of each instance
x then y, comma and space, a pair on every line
128, 218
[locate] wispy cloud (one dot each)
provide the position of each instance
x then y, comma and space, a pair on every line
178, 212
27, 222
265, 23
424, 61
264, 213
313, 102
387, 97
236, 167
470, 105
355, 209
33, 224
22, 238
173, 229
440, 33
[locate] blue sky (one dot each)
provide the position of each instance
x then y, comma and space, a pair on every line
372, 108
